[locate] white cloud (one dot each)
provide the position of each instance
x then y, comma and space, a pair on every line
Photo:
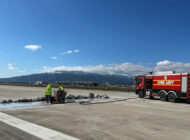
67, 52
167, 65
165, 62
71, 51
54, 57
127, 69
33, 47
76, 51
13, 68
46, 68
10, 67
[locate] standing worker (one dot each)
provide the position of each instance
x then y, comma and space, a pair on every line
48, 93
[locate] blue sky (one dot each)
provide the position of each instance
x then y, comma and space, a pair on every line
105, 36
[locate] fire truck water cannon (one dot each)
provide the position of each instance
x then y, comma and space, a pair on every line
168, 86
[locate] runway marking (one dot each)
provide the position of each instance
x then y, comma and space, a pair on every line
33, 129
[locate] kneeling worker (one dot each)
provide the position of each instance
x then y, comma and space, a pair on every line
48, 93
61, 88
61, 94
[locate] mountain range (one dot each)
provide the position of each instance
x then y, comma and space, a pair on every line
71, 76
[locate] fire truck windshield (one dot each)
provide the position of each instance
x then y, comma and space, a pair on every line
138, 80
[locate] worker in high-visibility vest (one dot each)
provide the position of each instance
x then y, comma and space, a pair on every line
61, 88
61, 94
48, 93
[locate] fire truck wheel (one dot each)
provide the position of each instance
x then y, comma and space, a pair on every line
163, 96
141, 94
171, 97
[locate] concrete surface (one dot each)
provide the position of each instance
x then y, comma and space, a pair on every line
136, 119
34, 129
17, 92
10, 133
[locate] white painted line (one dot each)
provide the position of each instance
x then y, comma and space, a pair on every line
33, 129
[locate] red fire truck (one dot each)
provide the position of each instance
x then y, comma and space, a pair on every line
167, 86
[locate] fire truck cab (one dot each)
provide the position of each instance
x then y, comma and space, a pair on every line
168, 86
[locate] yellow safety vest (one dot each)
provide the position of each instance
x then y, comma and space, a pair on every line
61, 88
48, 90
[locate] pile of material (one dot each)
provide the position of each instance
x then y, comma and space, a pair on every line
90, 96
24, 100
69, 97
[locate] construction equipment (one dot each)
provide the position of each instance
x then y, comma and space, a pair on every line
168, 86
